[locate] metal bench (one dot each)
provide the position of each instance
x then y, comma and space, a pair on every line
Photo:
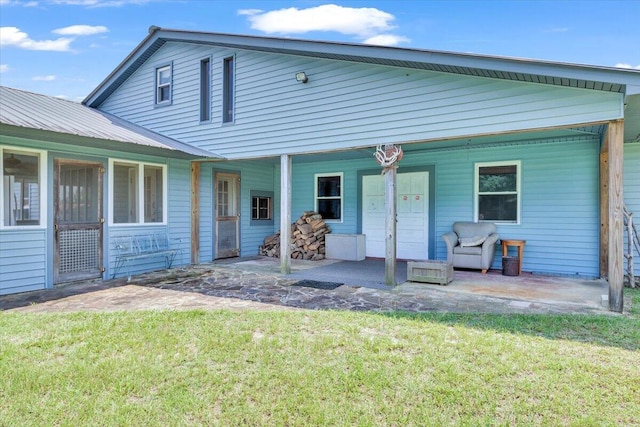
130, 248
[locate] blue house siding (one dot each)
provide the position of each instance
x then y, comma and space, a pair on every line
254, 176
23, 265
343, 105
559, 199
26, 255
632, 191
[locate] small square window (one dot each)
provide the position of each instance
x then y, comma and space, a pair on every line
163, 85
260, 208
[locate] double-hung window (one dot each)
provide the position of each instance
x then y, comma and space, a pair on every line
328, 192
498, 192
138, 193
23, 190
228, 89
163, 85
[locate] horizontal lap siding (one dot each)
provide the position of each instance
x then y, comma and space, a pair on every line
23, 265
560, 202
179, 206
135, 266
254, 176
632, 192
178, 227
343, 105
303, 191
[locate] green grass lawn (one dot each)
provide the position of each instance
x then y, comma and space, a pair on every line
175, 368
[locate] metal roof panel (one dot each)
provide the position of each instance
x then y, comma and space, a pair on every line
35, 111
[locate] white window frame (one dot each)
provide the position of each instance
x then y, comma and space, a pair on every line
140, 193
159, 86
316, 198
42, 181
518, 192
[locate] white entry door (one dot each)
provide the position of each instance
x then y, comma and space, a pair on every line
412, 229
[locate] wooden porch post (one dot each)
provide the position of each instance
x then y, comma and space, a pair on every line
611, 160
285, 214
390, 227
195, 212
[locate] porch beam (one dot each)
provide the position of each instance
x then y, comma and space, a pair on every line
615, 247
390, 227
285, 214
195, 212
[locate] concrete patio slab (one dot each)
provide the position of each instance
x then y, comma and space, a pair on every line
255, 284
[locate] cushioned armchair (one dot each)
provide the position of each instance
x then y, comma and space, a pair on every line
471, 245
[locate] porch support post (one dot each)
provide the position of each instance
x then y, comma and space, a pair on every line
195, 212
615, 241
390, 227
285, 214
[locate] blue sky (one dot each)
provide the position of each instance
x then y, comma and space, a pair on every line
67, 47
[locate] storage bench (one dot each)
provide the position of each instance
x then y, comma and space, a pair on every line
440, 272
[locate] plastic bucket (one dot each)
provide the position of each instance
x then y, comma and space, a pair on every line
510, 266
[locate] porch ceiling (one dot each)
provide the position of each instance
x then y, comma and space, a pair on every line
524, 138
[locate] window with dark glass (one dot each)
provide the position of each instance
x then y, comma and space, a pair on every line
497, 190
228, 90
205, 90
329, 196
260, 208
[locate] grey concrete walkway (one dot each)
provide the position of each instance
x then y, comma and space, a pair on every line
256, 284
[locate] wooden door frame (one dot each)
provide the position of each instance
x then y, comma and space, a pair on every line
236, 176
57, 162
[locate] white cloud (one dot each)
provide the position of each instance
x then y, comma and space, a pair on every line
100, 3
12, 36
386, 40
628, 66
4, 68
18, 3
363, 22
44, 78
81, 30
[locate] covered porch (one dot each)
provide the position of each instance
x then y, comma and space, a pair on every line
469, 290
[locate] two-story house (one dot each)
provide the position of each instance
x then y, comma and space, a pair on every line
231, 137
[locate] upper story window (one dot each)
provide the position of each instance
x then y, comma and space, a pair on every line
137, 192
163, 85
228, 83
205, 90
23, 190
498, 192
328, 190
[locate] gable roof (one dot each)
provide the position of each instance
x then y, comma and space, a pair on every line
527, 70
22, 111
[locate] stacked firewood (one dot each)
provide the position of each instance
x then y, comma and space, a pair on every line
307, 238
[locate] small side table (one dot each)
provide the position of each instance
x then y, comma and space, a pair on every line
512, 242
